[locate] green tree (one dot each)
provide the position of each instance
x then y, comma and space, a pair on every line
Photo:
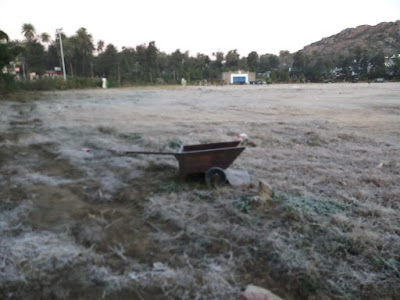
69, 49
199, 67
323, 67
100, 46
107, 63
216, 65
299, 65
264, 63
176, 61
28, 31
364, 64
34, 57
127, 64
358, 55
151, 62
274, 61
280, 75
242, 64
253, 61
52, 59
45, 37
83, 51
141, 61
3, 36
345, 62
378, 65
8, 50
285, 59
204, 62
315, 69
396, 67
232, 60
219, 56
163, 66
78, 52
190, 70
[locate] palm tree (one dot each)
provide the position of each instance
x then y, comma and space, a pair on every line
69, 52
84, 47
29, 31
45, 37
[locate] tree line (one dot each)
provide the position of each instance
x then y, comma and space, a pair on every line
355, 63
146, 63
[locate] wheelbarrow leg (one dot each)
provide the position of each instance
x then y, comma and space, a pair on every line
215, 177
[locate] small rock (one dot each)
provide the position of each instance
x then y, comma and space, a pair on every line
264, 196
264, 191
253, 292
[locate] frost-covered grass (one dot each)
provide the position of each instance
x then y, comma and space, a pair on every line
98, 224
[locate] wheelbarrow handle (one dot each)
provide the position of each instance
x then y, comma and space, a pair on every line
149, 152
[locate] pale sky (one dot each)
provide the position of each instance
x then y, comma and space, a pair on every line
203, 26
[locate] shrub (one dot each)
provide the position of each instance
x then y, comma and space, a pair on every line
44, 84
7, 82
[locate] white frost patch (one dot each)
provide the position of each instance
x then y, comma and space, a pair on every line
9, 218
48, 180
36, 139
24, 255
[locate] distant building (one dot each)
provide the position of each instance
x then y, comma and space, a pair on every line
51, 73
238, 77
266, 74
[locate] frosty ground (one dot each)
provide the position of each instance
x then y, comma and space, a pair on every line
98, 224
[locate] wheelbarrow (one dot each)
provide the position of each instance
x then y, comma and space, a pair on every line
209, 159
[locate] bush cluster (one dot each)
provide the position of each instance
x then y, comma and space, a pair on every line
7, 83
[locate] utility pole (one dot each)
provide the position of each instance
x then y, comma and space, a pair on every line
62, 52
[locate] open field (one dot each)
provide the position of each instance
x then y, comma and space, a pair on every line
92, 225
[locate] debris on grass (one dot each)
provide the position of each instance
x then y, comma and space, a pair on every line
237, 177
253, 292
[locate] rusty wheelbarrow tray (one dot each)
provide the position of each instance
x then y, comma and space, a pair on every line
210, 159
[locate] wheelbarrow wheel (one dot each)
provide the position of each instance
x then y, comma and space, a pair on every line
215, 177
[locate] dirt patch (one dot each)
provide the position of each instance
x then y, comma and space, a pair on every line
78, 219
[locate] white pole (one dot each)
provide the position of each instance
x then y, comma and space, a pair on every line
62, 53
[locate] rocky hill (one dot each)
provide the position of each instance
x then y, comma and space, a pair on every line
382, 37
